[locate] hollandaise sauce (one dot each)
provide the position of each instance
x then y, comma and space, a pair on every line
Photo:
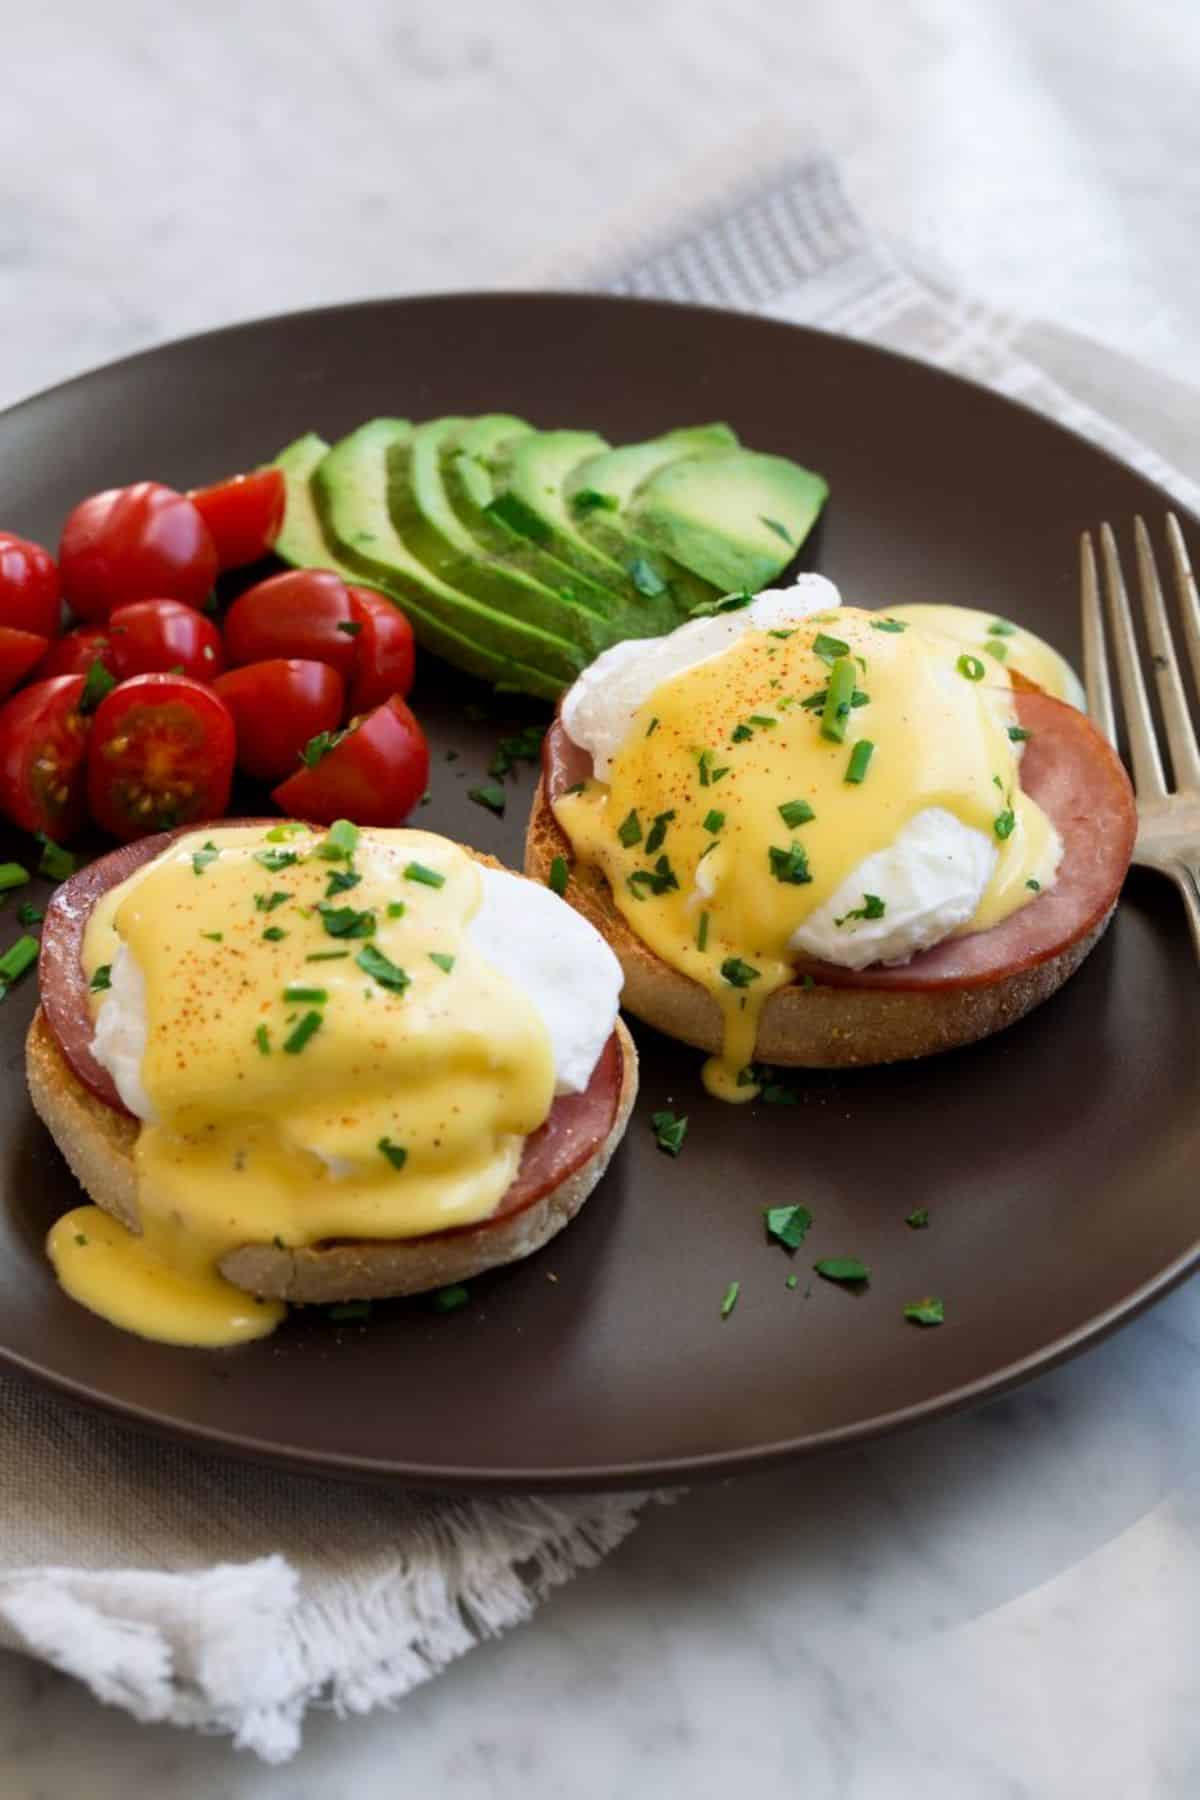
751, 785
999, 641
316, 1051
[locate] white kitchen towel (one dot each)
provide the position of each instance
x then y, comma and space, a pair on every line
228, 1597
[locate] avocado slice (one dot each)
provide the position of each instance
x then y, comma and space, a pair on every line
305, 542
735, 518
433, 532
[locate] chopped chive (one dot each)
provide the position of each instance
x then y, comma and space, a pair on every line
764, 721
971, 667
1001, 628
274, 934
788, 1225
713, 820
860, 758
268, 902
339, 842
669, 1132
296, 1041
445, 963
918, 1219
784, 635
29, 915
872, 908
202, 857
102, 979
657, 833
287, 828
996, 648
838, 697
630, 830
1034, 885
708, 609
396, 909
731, 1298
491, 795
741, 734
381, 968
560, 874
344, 921
416, 871
12, 875
349, 627
81, 1239
263, 1039
1004, 823
816, 702
660, 880
326, 955
829, 649
521, 746
702, 933
929, 1311
1018, 734
319, 746
17, 958
55, 863
888, 625
737, 973
652, 727
795, 812
296, 991
791, 1282
341, 881
790, 864
274, 860
843, 1268
396, 1154
214, 937
449, 1299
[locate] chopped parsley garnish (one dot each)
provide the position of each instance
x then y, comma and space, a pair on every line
274, 860
12, 875
872, 908
860, 761
656, 836
707, 609
971, 667
339, 842
55, 863
1004, 823
669, 1132
299, 1036
929, 1311
214, 937
416, 871
341, 881
790, 865
781, 531
1018, 734
838, 699
97, 683
491, 795
646, 579
652, 727
731, 1298
449, 1299
201, 858
327, 956
741, 734
917, 1220
589, 500
297, 991
560, 874
29, 915
1001, 628
263, 1039
702, 932
708, 775
268, 902
788, 1225
396, 1154
445, 963
829, 649
319, 746
795, 812
845, 1269
372, 961
102, 979
888, 625
772, 1089
737, 973
713, 820
17, 958
343, 921
659, 880
274, 934
1034, 885
518, 747
630, 830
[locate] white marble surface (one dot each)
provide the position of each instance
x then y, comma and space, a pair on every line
1005, 1604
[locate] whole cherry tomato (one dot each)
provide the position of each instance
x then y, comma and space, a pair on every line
160, 753
243, 514
28, 587
160, 636
20, 651
374, 772
75, 652
43, 744
384, 644
277, 707
304, 613
135, 543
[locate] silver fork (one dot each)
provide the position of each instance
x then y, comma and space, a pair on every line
1168, 835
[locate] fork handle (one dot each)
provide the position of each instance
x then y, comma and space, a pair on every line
1187, 879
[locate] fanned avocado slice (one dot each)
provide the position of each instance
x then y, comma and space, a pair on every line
735, 518
304, 543
600, 488
433, 532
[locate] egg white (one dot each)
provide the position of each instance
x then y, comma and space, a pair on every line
539, 942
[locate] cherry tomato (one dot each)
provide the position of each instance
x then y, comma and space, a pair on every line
243, 514
160, 636
19, 652
385, 650
374, 772
28, 587
160, 753
135, 543
43, 743
277, 707
305, 613
75, 652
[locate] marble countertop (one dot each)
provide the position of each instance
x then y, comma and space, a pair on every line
1004, 1604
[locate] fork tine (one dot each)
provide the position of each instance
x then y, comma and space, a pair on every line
1181, 734
1185, 587
1095, 656
1139, 724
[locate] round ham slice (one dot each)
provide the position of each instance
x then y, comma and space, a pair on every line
1079, 781
574, 1129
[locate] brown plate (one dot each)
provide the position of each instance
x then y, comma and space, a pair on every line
1058, 1161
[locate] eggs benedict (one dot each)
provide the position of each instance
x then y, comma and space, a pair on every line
819, 835
295, 1065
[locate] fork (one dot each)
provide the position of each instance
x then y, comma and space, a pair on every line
1168, 834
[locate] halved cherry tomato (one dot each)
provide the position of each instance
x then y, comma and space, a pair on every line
305, 613
277, 707
43, 742
385, 650
374, 772
135, 543
75, 652
28, 587
160, 754
161, 636
243, 514
19, 651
